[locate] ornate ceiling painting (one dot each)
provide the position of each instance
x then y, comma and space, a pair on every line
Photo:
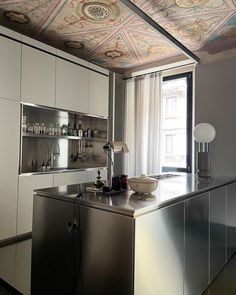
108, 33
201, 25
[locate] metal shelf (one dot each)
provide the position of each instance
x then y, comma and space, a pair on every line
24, 134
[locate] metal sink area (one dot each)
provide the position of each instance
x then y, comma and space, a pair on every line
164, 176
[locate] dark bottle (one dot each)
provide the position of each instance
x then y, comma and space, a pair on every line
124, 182
75, 131
70, 130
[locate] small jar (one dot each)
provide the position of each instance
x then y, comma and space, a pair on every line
30, 129
57, 130
51, 129
36, 128
64, 129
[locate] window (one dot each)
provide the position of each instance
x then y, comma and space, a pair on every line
176, 123
170, 106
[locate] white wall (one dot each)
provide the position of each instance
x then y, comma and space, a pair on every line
216, 104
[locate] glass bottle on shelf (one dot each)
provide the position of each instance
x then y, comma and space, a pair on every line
42, 129
70, 130
51, 129
36, 128
80, 131
64, 129
75, 131
57, 130
24, 124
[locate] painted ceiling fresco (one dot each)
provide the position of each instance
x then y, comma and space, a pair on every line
106, 32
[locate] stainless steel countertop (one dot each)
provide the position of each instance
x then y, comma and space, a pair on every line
169, 191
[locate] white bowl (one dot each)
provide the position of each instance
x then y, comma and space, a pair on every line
143, 184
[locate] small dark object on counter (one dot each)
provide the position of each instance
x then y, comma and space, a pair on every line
106, 189
116, 183
124, 181
98, 183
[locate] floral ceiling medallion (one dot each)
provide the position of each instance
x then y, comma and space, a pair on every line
16, 17
114, 53
99, 11
74, 45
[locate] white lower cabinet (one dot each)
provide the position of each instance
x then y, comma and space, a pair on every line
77, 177
9, 159
27, 184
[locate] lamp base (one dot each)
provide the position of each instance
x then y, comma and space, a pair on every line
203, 164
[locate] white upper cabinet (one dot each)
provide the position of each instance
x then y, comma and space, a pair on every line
98, 94
9, 160
71, 86
38, 77
10, 68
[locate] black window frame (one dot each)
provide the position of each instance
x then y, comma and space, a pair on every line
189, 76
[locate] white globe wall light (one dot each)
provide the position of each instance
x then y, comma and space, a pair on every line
204, 133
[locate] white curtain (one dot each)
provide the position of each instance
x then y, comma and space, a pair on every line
142, 125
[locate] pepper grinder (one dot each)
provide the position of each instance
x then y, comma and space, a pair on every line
98, 183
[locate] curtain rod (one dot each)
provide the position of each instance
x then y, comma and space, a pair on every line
156, 72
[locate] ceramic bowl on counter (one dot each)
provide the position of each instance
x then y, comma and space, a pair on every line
143, 184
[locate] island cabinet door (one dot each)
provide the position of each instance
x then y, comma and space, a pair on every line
196, 244
53, 248
217, 230
231, 220
105, 242
159, 252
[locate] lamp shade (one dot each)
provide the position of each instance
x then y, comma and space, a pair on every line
204, 133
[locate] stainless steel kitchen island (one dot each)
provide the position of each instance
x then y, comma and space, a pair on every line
172, 242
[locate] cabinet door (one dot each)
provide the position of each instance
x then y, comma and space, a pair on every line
196, 244
217, 230
67, 178
71, 86
54, 253
8, 264
10, 61
231, 220
23, 266
77, 177
38, 77
107, 252
98, 94
9, 160
159, 252
27, 184
90, 175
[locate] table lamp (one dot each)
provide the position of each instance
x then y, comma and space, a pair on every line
110, 148
204, 133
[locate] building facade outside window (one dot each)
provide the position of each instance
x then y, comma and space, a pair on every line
176, 123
